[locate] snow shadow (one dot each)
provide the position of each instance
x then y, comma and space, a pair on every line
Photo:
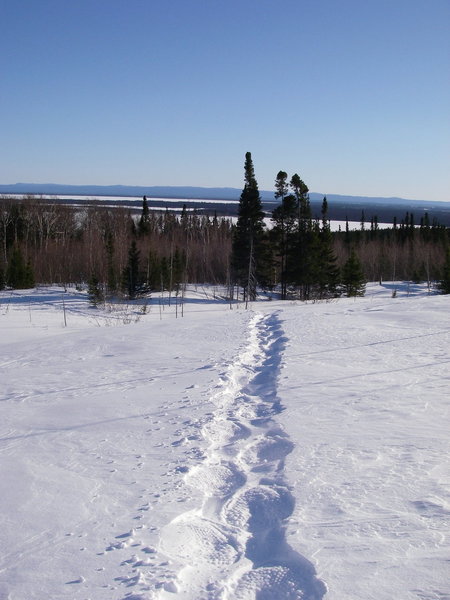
278, 571
236, 542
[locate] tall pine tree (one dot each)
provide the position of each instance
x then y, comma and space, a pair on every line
284, 219
249, 259
302, 248
144, 220
327, 271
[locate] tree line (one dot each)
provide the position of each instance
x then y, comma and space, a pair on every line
117, 252
307, 260
126, 253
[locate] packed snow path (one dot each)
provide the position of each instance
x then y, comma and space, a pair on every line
234, 545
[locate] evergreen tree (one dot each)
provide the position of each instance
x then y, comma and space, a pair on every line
153, 271
327, 271
178, 266
29, 281
302, 256
249, 252
184, 218
164, 274
444, 283
15, 269
111, 283
144, 220
19, 274
301, 193
281, 185
2, 278
133, 281
352, 277
418, 273
95, 291
284, 219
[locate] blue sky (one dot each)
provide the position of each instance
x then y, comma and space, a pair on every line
353, 95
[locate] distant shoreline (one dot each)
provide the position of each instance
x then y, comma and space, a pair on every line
339, 209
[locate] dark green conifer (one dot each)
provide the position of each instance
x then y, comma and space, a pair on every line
444, 283
302, 259
352, 278
284, 218
250, 261
133, 280
111, 271
153, 271
165, 274
19, 274
327, 271
95, 292
29, 281
178, 266
144, 220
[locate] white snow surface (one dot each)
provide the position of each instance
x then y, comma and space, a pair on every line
292, 451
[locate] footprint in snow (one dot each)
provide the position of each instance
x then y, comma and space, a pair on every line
198, 541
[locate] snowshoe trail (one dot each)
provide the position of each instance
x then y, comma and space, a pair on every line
234, 546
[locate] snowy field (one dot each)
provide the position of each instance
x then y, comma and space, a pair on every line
291, 451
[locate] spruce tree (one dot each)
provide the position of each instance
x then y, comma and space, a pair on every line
444, 283
281, 185
178, 266
29, 281
95, 291
133, 281
153, 271
164, 274
19, 274
327, 271
250, 260
352, 278
15, 269
144, 220
302, 254
111, 271
284, 218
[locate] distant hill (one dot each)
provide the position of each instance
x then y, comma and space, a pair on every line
207, 193
123, 190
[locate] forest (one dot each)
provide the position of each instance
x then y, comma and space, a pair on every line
115, 252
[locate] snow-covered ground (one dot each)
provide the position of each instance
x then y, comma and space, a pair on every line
290, 451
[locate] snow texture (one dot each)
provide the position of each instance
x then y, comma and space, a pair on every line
290, 451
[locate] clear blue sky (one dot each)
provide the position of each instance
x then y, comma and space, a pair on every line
353, 95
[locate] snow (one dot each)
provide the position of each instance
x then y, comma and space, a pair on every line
290, 451
355, 225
